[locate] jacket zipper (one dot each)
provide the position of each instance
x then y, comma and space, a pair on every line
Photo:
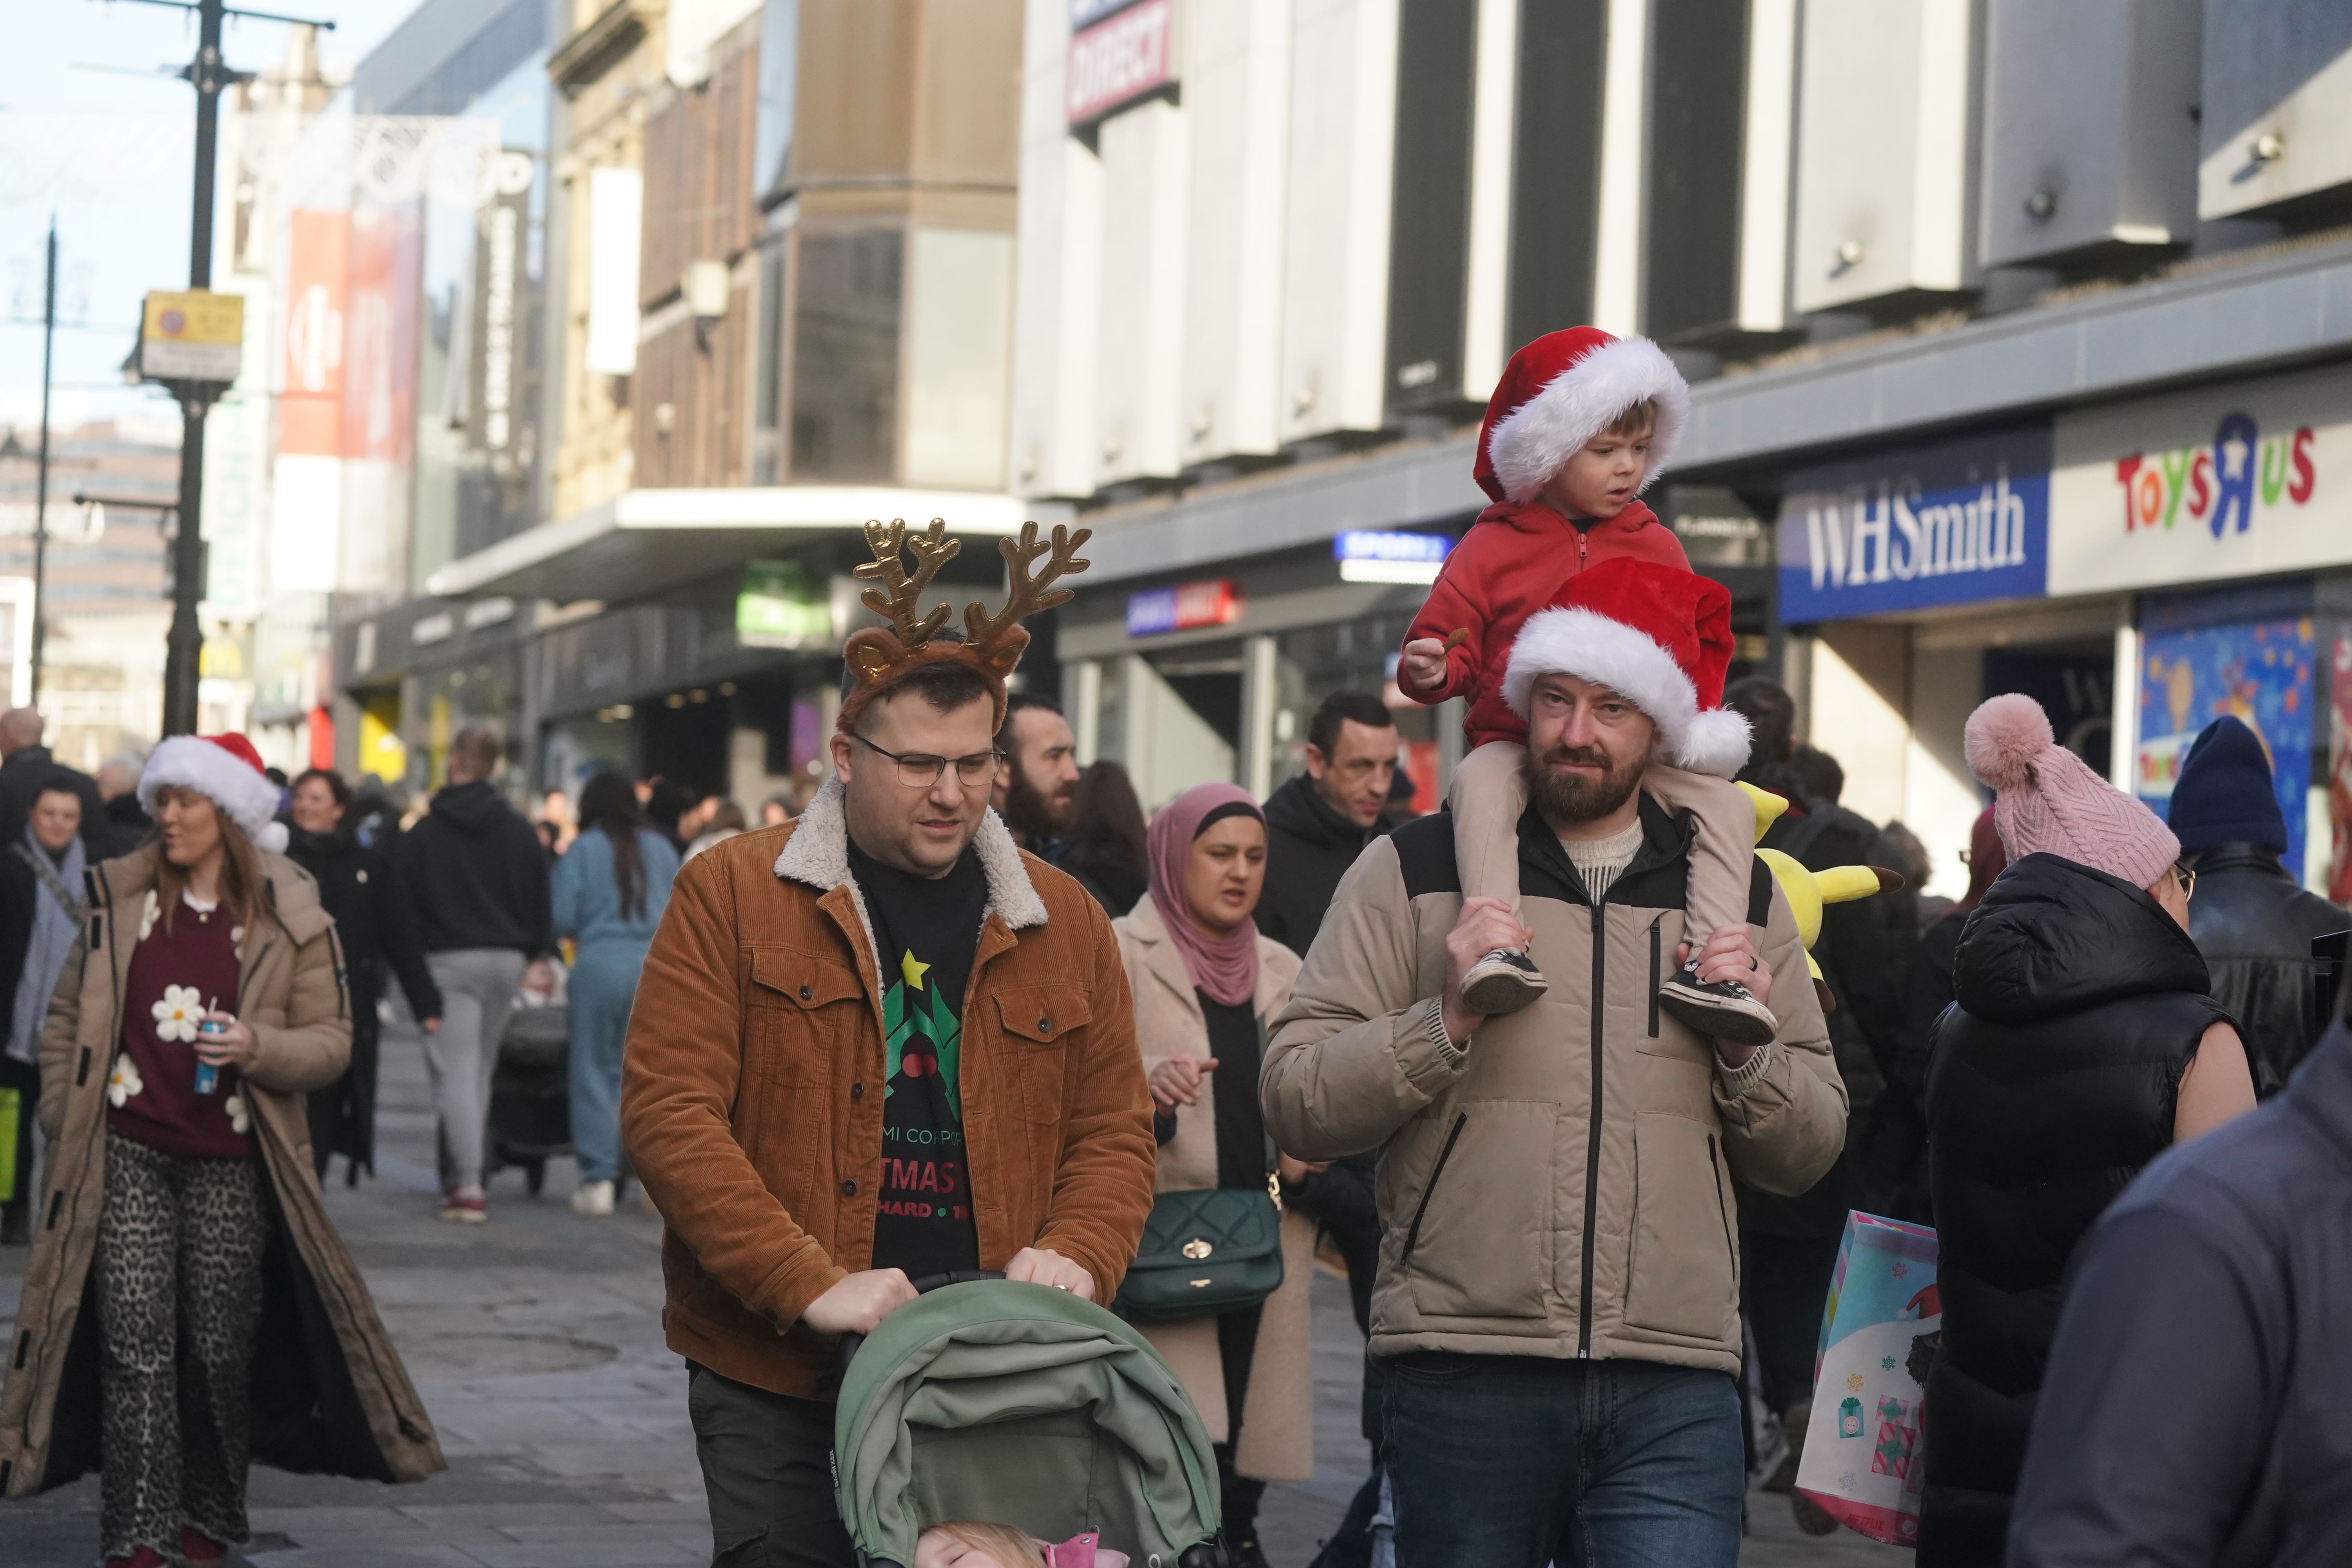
1658, 946
1716, 1173
1429, 1188
1592, 1136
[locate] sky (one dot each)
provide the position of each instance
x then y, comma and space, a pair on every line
110, 152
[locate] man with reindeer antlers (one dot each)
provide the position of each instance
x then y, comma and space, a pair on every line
877, 1043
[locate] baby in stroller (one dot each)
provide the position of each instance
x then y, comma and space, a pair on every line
987, 1399
964, 1543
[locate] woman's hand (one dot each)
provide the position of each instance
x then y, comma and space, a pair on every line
1179, 1080
232, 1048
1292, 1171
1423, 663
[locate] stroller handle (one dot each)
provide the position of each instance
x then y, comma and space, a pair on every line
923, 1286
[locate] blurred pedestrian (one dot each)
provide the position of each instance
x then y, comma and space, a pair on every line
2083, 1041
1034, 789
175, 1111
1897, 1133
722, 822
776, 810
1789, 1244
1317, 823
2252, 920
2194, 1410
26, 768
41, 911
1105, 849
666, 806
124, 823
1911, 863
1553, 1392
479, 880
610, 890
1206, 986
376, 922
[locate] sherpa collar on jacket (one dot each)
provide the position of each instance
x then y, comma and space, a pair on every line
817, 855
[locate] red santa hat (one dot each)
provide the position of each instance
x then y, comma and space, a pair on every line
225, 770
1562, 390
1657, 636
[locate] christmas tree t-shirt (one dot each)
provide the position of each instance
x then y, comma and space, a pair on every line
926, 930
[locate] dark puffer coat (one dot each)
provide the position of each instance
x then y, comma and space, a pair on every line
2078, 1005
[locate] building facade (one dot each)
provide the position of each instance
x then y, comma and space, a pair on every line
2015, 336
780, 248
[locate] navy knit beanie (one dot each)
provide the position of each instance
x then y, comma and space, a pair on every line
2223, 794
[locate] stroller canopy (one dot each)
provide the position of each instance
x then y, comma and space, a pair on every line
1021, 1406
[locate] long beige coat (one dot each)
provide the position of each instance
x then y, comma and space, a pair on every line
343, 1406
1278, 1418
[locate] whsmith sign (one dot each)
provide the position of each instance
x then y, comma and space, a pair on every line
1944, 524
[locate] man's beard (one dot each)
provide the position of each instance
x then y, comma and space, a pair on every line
1578, 797
1029, 813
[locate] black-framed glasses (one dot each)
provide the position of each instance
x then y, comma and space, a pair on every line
2188, 874
920, 770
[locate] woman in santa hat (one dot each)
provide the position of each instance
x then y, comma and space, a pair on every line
200, 1006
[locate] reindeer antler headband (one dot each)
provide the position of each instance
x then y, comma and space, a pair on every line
879, 656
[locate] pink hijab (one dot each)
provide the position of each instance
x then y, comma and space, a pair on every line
1225, 967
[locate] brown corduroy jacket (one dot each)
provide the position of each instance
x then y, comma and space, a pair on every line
752, 1102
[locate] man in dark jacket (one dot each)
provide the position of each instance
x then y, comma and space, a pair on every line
2250, 918
1316, 823
26, 769
1316, 826
2194, 1408
478, 876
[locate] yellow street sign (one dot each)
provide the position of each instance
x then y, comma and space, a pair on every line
192, 335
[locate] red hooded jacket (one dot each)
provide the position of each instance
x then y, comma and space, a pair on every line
1515, 560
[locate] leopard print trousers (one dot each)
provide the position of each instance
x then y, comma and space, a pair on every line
179, 1297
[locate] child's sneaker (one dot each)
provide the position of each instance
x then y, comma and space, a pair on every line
1723, 1008
1504, 981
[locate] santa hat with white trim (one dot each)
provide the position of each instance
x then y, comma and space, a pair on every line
225, 770
1559, 392
1657, 636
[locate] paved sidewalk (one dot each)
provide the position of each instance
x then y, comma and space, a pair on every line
535, 1341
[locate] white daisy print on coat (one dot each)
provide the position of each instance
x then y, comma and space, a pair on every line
123, 1081
176, 1014
239, 1117
148, 913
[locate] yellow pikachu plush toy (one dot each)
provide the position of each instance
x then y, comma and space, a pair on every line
1806, 890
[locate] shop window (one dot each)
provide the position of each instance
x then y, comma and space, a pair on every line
845, 356
1313, 662
958, 357
768, 399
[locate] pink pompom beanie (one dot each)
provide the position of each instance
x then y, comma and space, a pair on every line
2049, 802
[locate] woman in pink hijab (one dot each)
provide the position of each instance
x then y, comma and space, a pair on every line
1206, 986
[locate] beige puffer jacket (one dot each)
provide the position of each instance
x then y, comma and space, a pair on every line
1561, 1187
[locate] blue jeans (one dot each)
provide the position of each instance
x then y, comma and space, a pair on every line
603, 985
1515, 1462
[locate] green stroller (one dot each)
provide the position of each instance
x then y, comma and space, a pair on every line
1018, 1405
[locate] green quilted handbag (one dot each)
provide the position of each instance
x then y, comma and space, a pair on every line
1218, 1249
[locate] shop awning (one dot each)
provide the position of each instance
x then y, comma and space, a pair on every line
646, 542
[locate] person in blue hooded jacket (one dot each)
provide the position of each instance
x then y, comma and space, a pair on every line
2251, 918
609, 892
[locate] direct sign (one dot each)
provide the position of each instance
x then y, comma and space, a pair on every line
1184, 608
1943, 525
195, 335
1117, 62
2216, 483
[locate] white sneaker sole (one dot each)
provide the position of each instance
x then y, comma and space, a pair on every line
1502, 989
